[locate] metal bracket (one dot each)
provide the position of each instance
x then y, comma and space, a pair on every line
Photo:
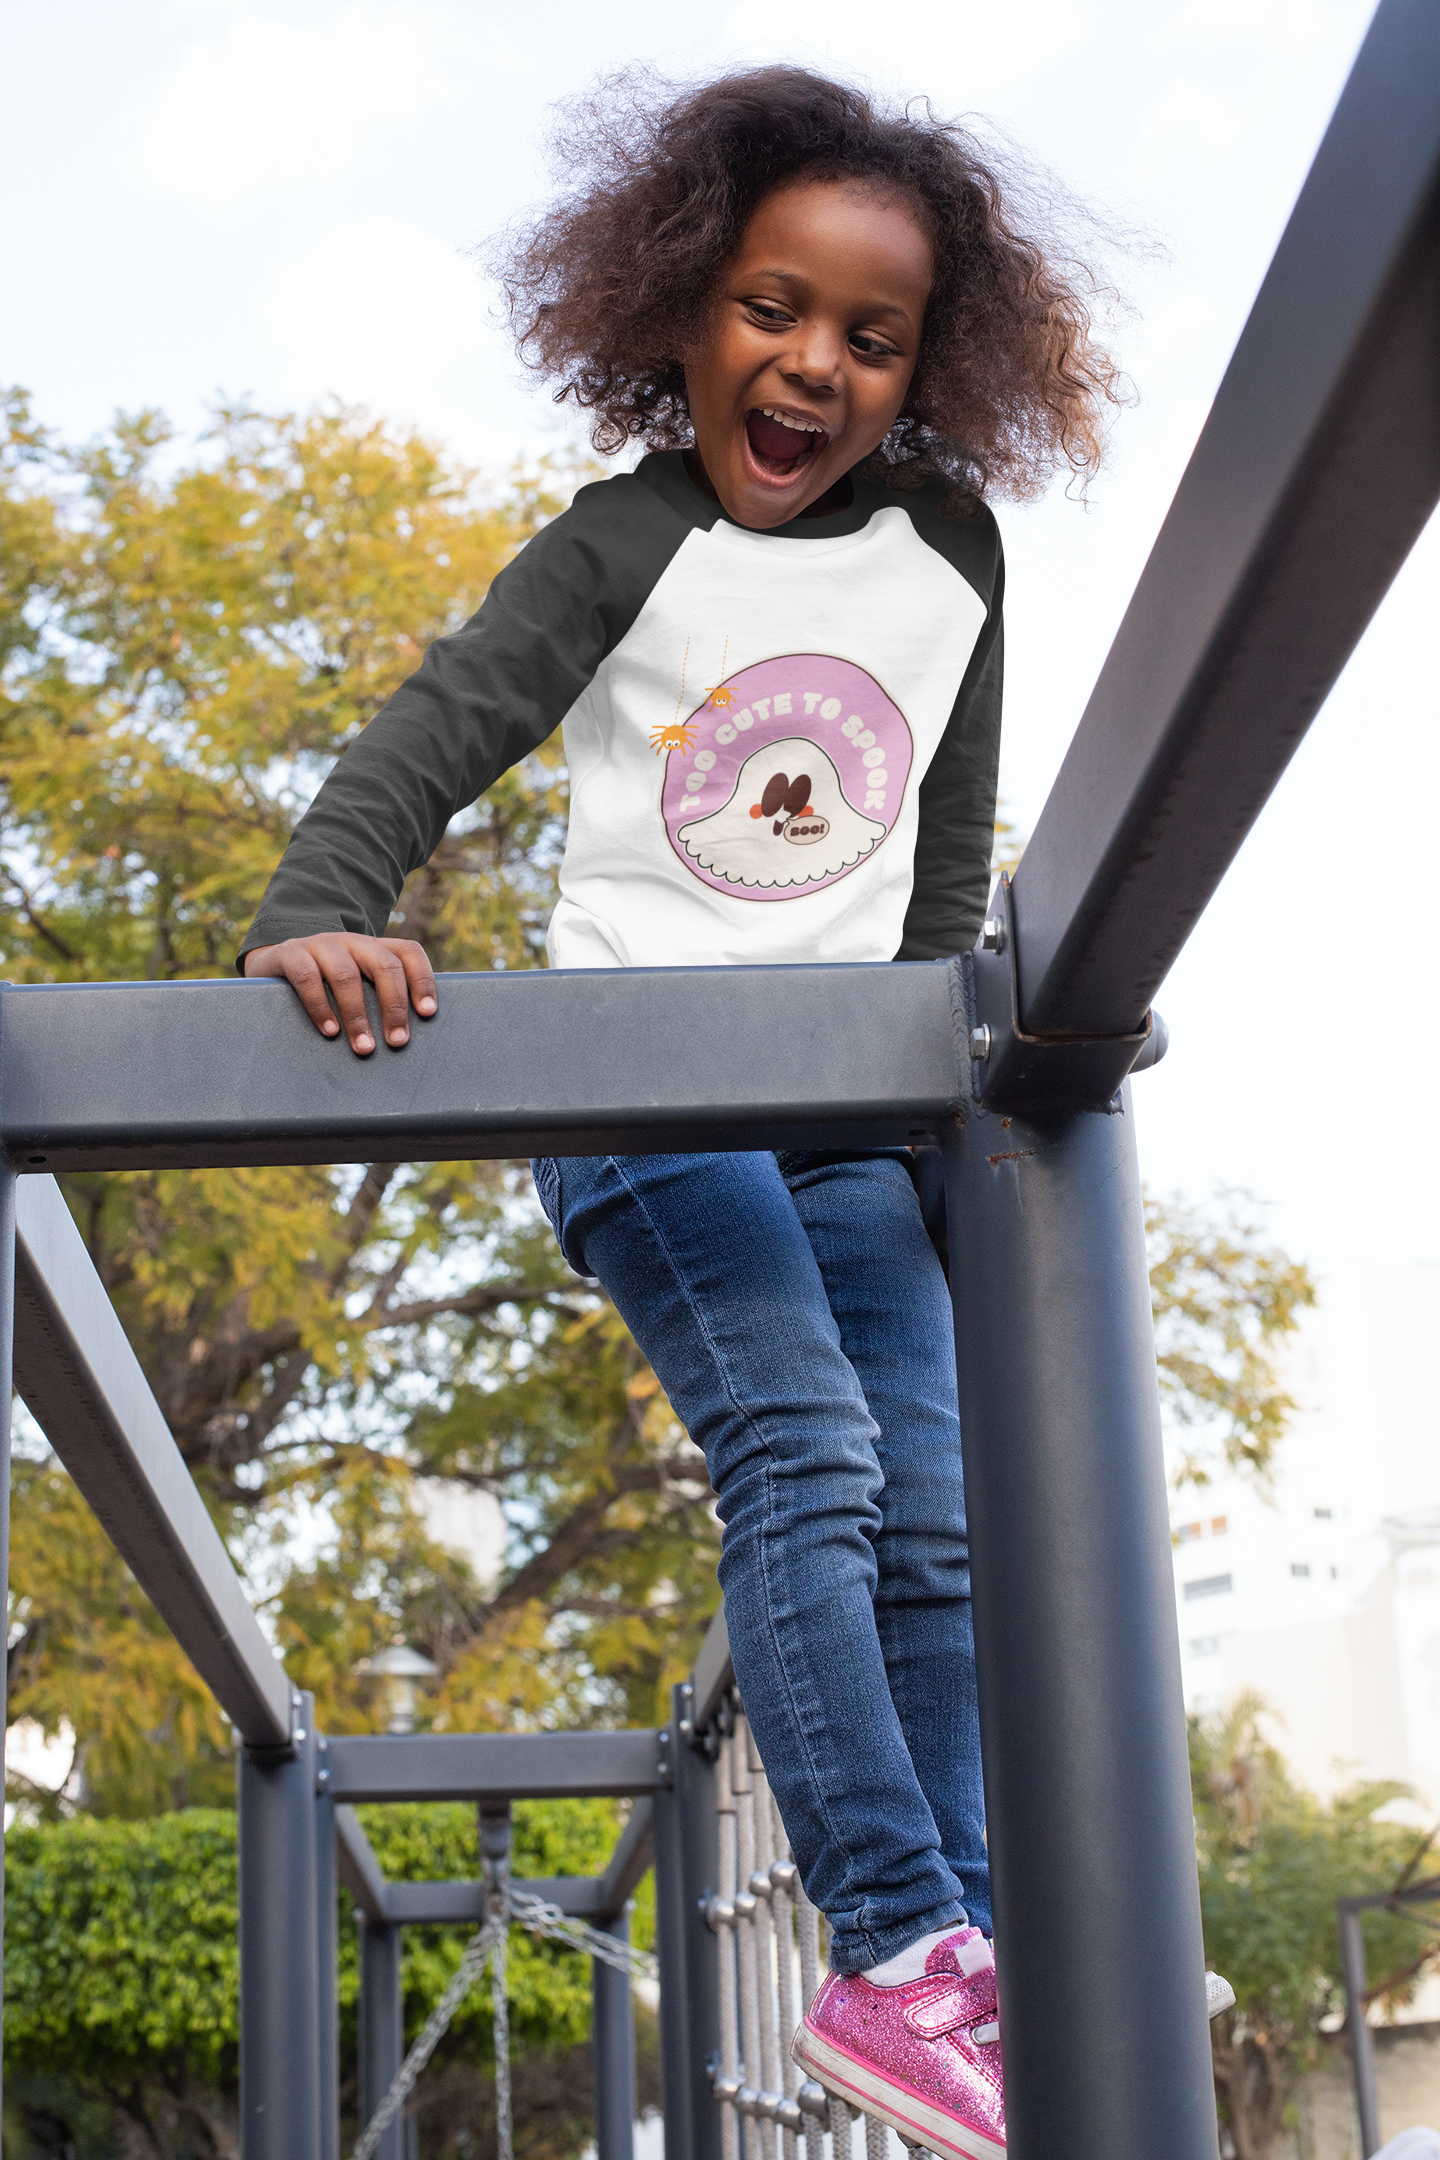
1010, 1070
664, 1757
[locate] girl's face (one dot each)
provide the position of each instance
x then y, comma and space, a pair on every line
805, 366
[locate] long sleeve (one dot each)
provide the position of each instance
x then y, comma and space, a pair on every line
480, 701
956, 838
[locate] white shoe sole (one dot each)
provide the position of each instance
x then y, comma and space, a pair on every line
918, 2121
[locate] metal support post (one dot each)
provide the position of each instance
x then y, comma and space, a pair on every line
1087, 1789
1362, 2043
686, 1875
280, 2050
382, 2027
495, 1847
613, 2045
7, 1340
326, 1960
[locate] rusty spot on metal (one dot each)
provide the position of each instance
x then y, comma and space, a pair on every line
1015, 1155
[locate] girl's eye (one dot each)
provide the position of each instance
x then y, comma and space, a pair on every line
872, 347
767, 312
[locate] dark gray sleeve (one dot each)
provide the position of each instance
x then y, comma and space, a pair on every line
957, 808
480, 701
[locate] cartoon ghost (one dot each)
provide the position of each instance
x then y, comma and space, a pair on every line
787, 822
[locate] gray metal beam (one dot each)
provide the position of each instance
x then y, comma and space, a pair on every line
686, 1874
1357, 2025
281, 2050
327, 1963
713, 1673
541, 1061
1088, 1809
8, 1183
1316, 470
493, 1766
381, 2030
585, 1897
84, 1386
356, 1864
632, 1859
612, 2044
462, 1904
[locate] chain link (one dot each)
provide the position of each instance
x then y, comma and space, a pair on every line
467, 1972
489, 1946
538, 1918
500, 2014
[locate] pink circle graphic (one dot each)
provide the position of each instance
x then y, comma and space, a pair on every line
786, 779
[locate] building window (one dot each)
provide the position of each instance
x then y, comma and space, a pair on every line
1186, 1534
1323, 1514
1210, 1586
1219, 1524
1299, 1567
1205, 1646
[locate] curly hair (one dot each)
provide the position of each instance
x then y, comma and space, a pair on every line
615, 282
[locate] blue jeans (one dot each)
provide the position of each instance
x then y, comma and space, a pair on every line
798, 1319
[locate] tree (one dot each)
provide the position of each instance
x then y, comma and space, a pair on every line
186, 646
122, 1972
1224, 1302
1273, 1860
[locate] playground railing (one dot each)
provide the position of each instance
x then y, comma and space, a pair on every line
1315, 472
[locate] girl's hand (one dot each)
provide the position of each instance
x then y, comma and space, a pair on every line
337, 961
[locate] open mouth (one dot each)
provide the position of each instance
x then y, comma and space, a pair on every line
781, 446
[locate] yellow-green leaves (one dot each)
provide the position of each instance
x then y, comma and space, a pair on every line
1224, 1303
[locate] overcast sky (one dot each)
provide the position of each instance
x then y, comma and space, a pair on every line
284, 202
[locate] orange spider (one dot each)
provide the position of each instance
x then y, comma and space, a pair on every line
672, 738
722, 699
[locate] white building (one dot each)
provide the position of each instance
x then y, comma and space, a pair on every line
1332, 1619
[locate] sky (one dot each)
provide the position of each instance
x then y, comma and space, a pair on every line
291, 203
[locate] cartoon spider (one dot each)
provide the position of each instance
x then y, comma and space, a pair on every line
722, 699
678, 738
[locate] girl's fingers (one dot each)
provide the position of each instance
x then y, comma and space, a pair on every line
391, 988
347, 986
305, 979
337, 965
421, 977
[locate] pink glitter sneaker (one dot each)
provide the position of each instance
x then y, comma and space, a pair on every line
924, 2056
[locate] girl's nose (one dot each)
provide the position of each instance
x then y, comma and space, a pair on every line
814, 359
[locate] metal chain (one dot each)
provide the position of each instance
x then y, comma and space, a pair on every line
537, 1918
467, 1972
500, 2013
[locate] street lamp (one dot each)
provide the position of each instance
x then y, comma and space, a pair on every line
400, 1667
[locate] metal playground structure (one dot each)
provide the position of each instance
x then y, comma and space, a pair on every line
1313, 477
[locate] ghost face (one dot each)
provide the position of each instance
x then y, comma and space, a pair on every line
787, 823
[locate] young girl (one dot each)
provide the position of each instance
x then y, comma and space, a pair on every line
775, 649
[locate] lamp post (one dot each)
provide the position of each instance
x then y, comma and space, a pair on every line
400, 1668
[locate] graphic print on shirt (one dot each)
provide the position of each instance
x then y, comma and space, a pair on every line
794, 782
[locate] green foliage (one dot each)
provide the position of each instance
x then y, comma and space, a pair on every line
549, 1988
122, 1960
120, 1949
1224, 1302
186, 644
1273, 1861
93, 1658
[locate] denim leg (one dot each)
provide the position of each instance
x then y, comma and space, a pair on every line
888, 1294
708, 1261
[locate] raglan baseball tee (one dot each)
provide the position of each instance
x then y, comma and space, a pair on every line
782, 746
